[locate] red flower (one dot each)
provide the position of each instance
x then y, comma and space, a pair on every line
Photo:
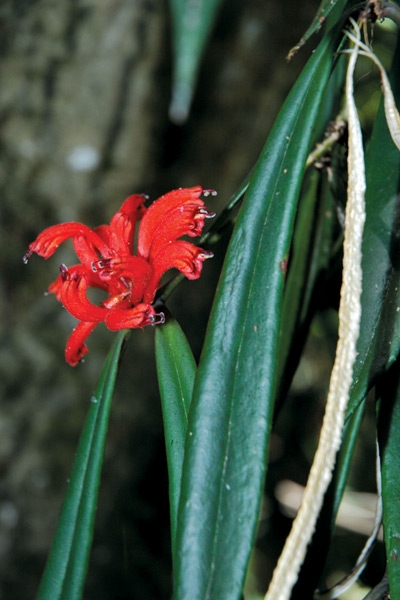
108, 262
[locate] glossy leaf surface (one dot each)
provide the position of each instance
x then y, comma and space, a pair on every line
66, 568
231, 410
310, 255
315, 233
176, 369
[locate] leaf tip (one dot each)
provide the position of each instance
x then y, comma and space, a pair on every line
294, 50
181, 100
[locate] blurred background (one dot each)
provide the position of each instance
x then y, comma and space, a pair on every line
84, 123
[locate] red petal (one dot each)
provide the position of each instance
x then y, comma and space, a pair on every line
119, 300
88, 252
76, 348
73, 296
55, 287
179, 255
125, 273
181, 212
139, 316
48, 241
103, 231
75, 271
123, 224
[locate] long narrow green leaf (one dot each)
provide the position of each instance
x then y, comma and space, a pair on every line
323, 11
379, 341
299, 267
191, 26
389, 440
310, 255
326, 9
231, 410
176, 369
64, 576
311, 250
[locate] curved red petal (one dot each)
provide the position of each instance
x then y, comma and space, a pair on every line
123, 273
48, 241
55, 287
103, 231
76, 348
184, 256
73, 296
92, 279
88, 249
180, 212
123, 224
118, 301
139, 316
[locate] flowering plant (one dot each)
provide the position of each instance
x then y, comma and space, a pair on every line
108, 263
282, 257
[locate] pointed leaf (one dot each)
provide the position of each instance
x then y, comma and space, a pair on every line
230, 416
324, 11
176, 369
65, 572
192, 23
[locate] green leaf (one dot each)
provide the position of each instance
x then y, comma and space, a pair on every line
65, 572
176, 369
192, 23
299, 267
326, 8
310, 255
389, 441
379, 341
311, 252
230, 416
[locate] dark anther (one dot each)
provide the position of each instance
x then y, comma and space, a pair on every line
100, 264
206, 254
154, 321
208, 214
64, 272
26, 257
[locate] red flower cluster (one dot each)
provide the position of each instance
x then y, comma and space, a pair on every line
108, 262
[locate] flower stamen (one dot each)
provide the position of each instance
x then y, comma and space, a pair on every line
157, 319
64, 272
204, 213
